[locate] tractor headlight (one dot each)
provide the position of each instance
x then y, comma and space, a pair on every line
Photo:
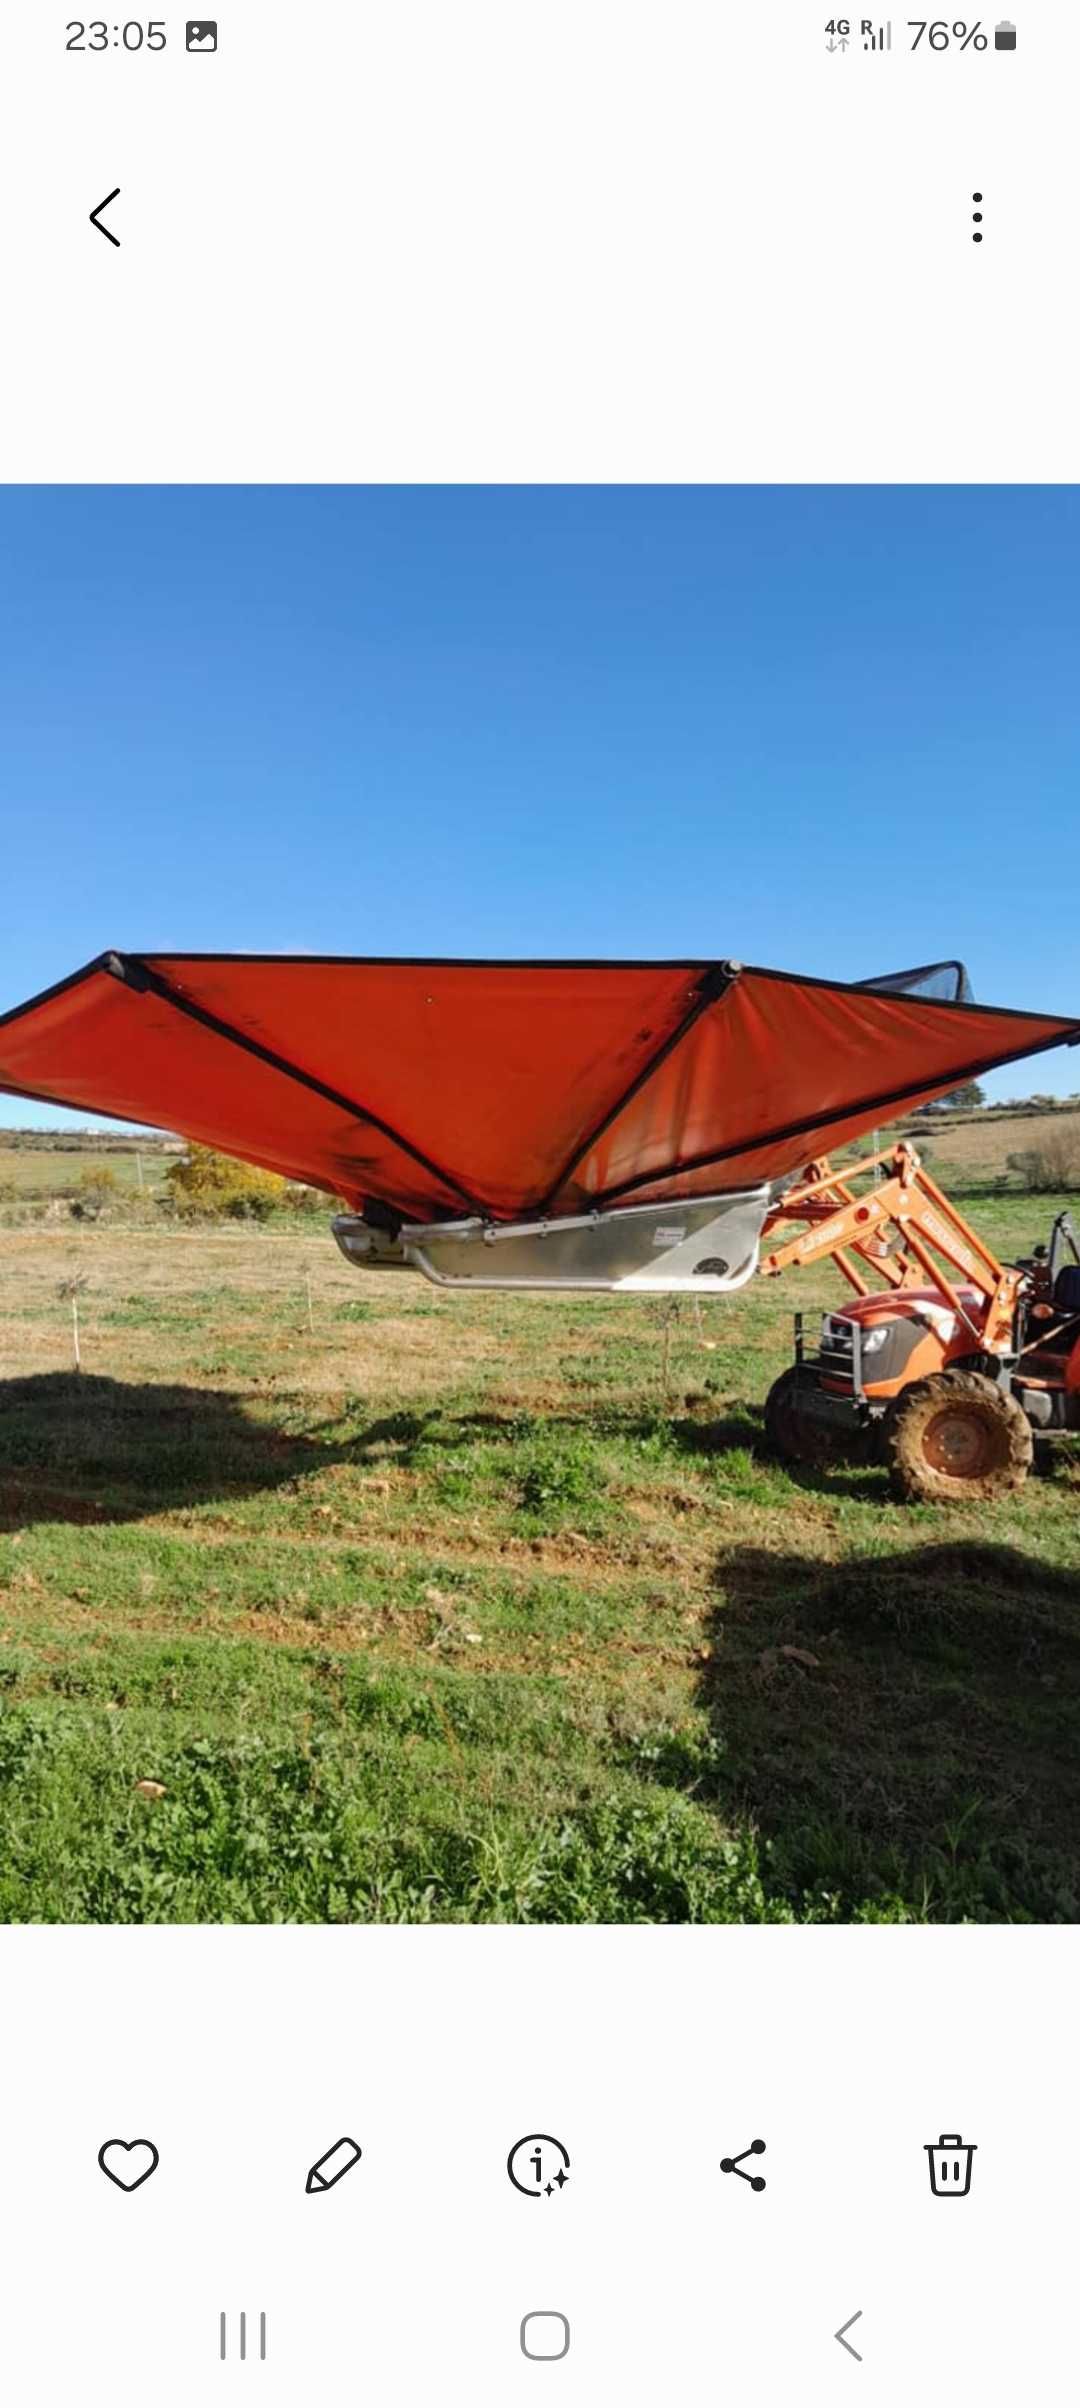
838, 1337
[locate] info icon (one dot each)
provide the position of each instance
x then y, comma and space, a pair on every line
539, 2166
202, 33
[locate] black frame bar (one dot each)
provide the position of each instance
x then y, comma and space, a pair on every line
136, 974
711, 988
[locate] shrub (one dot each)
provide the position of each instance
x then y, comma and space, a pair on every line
208, 1186
305, 1199
1052, 1164
94, 1189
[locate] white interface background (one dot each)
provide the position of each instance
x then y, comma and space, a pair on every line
244, 2055
491, 242
496, 242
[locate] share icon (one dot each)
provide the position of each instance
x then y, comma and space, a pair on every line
734, 2165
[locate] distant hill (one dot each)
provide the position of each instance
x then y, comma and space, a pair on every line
965, 1150
973, 1149
38, 1164
88, 1141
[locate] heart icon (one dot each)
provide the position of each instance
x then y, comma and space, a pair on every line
128, 2162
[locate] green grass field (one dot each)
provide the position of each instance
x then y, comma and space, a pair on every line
30, 1173
440, 1609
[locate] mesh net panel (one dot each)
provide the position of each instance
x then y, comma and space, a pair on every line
939, 982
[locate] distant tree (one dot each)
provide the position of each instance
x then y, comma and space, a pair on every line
967, 1098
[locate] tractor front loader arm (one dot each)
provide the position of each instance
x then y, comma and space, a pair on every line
903, 1227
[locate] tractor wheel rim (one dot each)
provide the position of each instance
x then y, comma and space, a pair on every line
959, 1444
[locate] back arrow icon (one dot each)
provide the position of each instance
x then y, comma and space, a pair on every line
95, 218
846, 2328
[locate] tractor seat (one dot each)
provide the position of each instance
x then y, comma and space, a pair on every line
1067, 1289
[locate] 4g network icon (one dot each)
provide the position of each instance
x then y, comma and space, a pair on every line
839, 35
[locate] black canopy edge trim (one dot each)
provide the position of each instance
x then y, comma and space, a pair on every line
806, 1128
444, 961
715, 984
136, 973
449, 961
75, 978
409, 961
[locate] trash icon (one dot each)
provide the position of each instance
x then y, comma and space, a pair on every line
950, 2165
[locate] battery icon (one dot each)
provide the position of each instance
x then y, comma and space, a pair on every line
1005, 35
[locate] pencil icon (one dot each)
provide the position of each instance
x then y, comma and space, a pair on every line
334, 2162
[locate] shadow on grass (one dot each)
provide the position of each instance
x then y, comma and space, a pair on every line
92, 1450
89, 1449
841, 1475
902, 1727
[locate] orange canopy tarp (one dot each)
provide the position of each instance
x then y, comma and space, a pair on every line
438, 1088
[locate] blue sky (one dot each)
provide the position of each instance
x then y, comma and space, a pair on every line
833, 730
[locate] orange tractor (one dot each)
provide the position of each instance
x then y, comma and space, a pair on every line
948, 1369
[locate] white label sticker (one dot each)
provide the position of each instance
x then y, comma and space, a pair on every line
668, 1237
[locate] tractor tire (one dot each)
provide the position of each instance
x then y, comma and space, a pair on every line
956, 1436
792, 1434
